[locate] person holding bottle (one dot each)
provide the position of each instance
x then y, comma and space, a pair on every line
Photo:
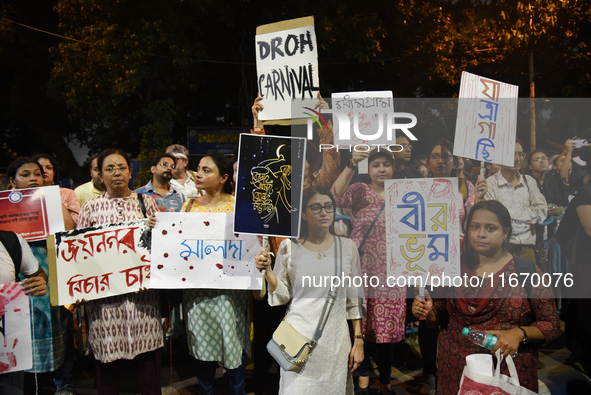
521, 318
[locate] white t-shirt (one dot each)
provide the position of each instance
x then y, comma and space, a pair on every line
29, 264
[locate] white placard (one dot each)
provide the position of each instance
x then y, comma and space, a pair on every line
287, 67
487, 120
200, 250
16, 352
423, 227
96, 262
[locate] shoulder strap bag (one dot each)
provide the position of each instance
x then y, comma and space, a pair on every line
288, 347
360, 249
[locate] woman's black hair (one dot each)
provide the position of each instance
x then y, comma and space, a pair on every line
444, 143
224, 167
500, 211
111, 151
308, 194
384, 154
52, 160
17, 163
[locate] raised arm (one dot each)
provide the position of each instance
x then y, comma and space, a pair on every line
342, 182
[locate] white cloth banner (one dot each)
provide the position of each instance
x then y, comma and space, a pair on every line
16, 351
96, 262
200, 250
487, 120
423, 227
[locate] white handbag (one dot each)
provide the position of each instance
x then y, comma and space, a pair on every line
478, 383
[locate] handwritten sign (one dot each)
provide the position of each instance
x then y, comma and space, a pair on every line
16, 352
287, 66
96, 262
422, 227
269, 185
34, 213
201, 250
487, 120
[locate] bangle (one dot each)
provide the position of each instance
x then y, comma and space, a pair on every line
351, 166
362, 337
524, 335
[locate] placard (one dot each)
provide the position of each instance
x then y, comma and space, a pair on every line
16, 351
96, 262
423, 227
270, 181
287, 66
201, 250
34, 213
487, 120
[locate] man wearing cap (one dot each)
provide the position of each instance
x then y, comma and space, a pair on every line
183, 180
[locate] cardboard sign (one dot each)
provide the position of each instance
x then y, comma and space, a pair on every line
487, 120
287, 66
423, 227
34, 213
16, 352
365, 111
96, 262
201, 250
269, 185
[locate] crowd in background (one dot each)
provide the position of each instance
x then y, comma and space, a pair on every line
517, 201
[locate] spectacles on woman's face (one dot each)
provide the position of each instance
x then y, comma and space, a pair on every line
112, 169
541, 159
445, 157
317, 208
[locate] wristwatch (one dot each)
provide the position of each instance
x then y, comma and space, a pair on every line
351, 166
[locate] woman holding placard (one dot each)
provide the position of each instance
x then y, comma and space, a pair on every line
317, 254
48, 347
521, 317
122, 327
217, 320
386, 306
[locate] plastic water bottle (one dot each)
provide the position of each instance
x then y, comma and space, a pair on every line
481, 338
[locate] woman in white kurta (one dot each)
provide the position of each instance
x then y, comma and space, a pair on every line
298, 279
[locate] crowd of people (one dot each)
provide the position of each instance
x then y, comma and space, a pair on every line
501, 215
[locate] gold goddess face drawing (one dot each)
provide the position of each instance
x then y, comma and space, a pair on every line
271, 181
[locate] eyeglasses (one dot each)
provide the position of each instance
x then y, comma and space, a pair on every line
317, 208
405, 146
521, 155
165, 164
445, 157
539, 160
112, 169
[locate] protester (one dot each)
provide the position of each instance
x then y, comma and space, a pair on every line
130, 313
68, 197
501, 311
549, 184
183, 179
216, 319
49, 346
525, 203
331, 158
574, 236
92, 188
402, 160
313, 254
34, 284
384, 324
166, 197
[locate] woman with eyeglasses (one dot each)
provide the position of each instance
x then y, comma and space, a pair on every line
386, 306
122, 327
312, 256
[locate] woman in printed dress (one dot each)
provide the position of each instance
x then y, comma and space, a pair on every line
140, 337
216, 319
386, 306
